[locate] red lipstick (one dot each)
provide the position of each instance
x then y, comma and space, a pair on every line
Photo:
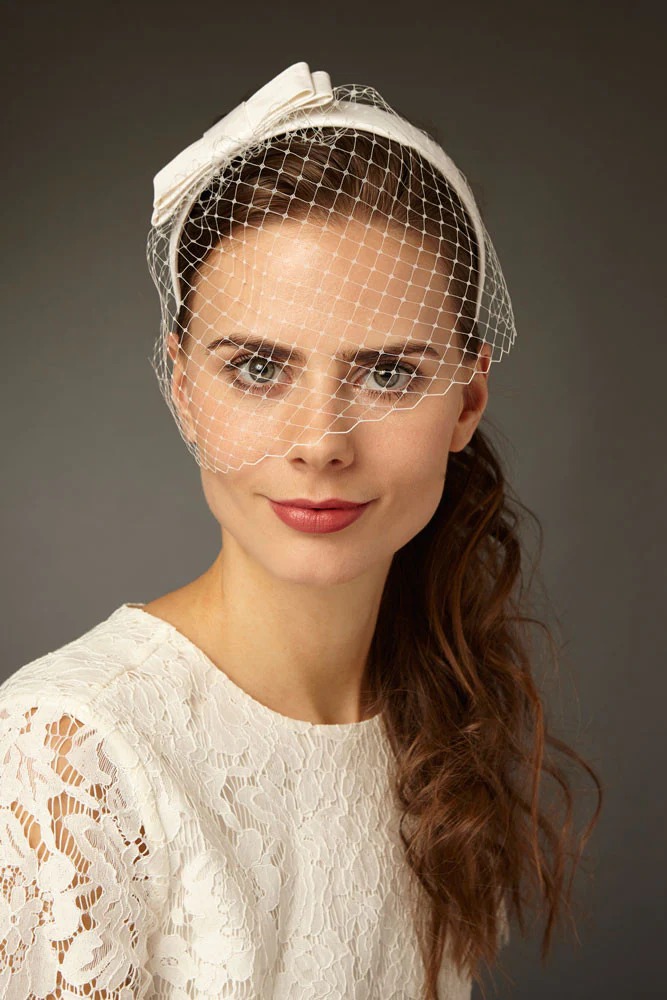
318, 517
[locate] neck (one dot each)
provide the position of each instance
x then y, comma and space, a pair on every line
297, 648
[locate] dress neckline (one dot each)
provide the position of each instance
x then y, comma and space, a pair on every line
337, 731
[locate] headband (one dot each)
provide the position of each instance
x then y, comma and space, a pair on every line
294, 99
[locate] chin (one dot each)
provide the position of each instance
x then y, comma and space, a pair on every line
323, 570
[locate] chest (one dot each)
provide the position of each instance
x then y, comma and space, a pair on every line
287, 878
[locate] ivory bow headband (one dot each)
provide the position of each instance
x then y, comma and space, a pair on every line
294, 99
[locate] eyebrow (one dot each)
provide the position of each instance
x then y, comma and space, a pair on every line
281, 352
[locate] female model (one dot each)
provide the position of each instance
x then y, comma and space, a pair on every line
315, 770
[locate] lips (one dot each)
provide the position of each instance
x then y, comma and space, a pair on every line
318, 521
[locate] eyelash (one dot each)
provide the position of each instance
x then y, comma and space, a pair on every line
237, 383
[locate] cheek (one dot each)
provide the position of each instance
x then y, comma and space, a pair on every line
409, 465
226, 495
411, 450
230, 429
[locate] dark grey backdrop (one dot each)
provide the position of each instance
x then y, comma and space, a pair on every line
554, 113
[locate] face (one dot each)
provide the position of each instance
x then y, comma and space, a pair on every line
319, 420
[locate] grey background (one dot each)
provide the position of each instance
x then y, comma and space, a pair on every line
554, 112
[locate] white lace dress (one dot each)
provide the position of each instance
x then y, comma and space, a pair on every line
164, 834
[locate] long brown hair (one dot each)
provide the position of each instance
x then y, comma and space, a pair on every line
451, 664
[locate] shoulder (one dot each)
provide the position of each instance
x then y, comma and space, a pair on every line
115, 675
69, 734
81, 670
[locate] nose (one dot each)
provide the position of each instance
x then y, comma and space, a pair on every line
322, 404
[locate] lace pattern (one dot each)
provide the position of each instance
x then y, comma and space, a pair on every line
163, 834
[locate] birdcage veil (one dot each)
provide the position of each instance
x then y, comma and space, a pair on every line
403, 263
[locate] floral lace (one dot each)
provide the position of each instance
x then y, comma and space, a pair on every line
163, 834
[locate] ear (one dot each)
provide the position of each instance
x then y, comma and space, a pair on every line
179, 380
474, 398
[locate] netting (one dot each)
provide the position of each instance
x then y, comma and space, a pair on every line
320, 262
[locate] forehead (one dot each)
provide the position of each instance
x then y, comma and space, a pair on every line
302, 275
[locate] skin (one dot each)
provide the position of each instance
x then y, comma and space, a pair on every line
290, 616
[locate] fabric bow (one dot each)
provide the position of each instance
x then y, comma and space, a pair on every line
296, 88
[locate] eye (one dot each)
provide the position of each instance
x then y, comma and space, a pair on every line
258, 370
391, 371
263, 374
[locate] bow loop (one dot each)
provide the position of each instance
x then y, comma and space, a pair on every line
295, 89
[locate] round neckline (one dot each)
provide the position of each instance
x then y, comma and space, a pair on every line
337, 730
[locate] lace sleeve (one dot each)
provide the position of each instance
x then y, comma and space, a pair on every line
78, 884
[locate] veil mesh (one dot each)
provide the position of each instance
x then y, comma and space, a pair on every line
320, 262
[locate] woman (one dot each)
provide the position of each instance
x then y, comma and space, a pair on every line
315, 769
